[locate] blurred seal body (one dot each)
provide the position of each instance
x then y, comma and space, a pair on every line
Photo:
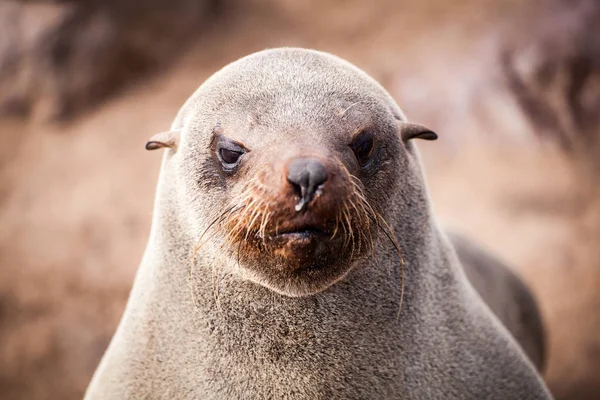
293, 178
506, 295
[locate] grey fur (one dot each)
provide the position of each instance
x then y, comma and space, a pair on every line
181, 339
506, 295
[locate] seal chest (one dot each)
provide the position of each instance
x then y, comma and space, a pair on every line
294, 254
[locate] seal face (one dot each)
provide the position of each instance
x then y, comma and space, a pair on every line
299, 223
297, 218
287, 168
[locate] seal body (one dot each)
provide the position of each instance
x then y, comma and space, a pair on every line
294, 254
506, 295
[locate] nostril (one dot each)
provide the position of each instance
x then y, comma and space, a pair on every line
299, 179
306, 175
317, 174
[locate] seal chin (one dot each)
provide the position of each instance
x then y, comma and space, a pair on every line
307, 279
300, 262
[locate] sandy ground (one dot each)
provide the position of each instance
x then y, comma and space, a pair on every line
76, 199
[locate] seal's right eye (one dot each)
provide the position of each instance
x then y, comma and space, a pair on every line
229, 154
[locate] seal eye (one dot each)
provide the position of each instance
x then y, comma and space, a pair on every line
229, 153
230, 156
363, 145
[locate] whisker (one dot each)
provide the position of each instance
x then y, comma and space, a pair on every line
263, 225
253, 217
192, 259
348, 231
197, 247
377, 219
392, 237
358, 213
239, 247
337, 221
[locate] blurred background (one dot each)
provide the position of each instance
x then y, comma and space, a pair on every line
511, 86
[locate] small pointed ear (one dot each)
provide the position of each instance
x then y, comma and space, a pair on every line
410, 130
164, 139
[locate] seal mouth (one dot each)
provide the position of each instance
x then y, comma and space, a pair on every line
300, 233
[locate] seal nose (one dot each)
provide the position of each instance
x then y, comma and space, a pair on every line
307, 175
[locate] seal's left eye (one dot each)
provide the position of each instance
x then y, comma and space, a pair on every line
230, 156
363, 145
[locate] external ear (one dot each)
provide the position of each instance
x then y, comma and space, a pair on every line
409, 130
168, 139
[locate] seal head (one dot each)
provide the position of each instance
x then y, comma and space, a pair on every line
287, 157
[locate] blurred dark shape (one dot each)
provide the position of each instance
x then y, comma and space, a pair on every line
553, 69
59, 57
552, 66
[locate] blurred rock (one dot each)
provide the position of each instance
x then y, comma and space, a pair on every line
57, 58
552, 65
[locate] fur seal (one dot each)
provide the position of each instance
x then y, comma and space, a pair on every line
294, 254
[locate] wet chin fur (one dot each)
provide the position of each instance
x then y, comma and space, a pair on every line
298, 267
